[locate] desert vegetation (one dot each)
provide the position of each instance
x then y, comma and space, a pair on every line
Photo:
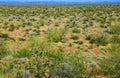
60, 41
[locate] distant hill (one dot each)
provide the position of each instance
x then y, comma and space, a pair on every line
18, 2
56, 2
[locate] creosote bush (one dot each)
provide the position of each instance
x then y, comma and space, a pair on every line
115, 29
110, 66
55, 35
76, 30
55, 62
3, 50
78, 42
75, 37
99, 39
4, 35
12, 27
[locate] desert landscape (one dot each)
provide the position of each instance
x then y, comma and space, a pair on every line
60, 41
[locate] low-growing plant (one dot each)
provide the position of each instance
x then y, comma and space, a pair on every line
115, 29
3, 50
57, 24
110, 66
99, 39
75, 37
78, 42
55, 35
76, 30
12, 27
22, 53
4, 35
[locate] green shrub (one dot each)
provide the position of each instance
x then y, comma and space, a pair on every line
115, 29
99, 39
29, 23
58, 64
115, 39
74, 37
64, 40
42, 22
71, 44
55, 35
75, 30
110, 66
88, 37
24, 52
78, 42
4, 35
36, 45
57, 24
47, 61
71, 67
3, 49
6, 23
12, 27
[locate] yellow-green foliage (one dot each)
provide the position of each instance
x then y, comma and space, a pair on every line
57, 41
55, 35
